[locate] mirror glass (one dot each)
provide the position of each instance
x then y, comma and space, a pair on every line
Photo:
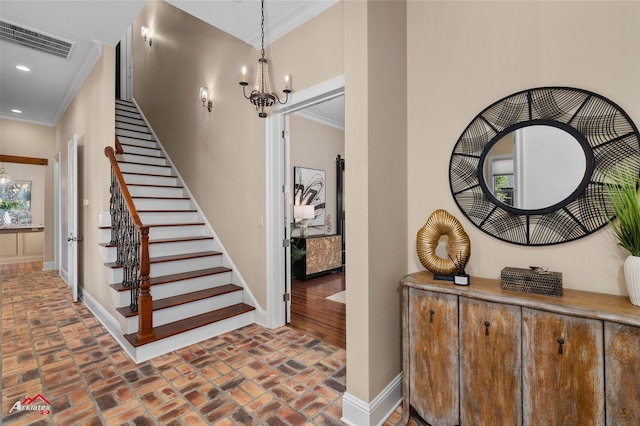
534, 167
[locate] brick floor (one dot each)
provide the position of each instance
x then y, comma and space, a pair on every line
57, 349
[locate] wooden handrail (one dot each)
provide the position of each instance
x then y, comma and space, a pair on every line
145, 312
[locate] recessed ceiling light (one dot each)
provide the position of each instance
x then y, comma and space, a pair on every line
23, 68
17, 111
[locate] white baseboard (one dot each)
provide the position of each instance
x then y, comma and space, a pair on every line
109, 322
356, 412
47, 266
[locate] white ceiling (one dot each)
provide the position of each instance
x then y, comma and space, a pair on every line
44, 93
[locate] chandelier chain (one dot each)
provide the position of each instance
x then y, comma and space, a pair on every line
262, 28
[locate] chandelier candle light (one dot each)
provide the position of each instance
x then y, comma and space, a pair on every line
261, 96
5, 178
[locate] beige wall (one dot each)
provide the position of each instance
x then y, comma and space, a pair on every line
33, 140
90, 116
375, 144
220, 154
316, 146
463, 56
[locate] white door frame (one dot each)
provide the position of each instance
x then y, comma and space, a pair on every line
72, 214
277, 164
57, 212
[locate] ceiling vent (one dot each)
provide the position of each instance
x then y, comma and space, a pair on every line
35, 40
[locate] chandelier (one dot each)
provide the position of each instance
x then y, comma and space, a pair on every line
5, 178
261, 97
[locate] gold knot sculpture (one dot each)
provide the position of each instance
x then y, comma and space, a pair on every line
442, 223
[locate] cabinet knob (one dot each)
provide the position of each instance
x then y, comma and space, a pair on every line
431, 312
560, 342
486, 328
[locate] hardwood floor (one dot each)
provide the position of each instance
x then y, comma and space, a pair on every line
19, 268
314, 314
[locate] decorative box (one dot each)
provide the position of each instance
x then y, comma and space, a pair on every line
531, 281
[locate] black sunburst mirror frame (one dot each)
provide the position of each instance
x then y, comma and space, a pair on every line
605, 132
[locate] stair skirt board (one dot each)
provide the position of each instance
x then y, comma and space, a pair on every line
185, 255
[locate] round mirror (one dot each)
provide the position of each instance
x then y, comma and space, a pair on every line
534, 167
531, 168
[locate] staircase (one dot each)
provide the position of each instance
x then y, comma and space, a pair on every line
196, 293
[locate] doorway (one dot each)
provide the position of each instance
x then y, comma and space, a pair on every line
279, 187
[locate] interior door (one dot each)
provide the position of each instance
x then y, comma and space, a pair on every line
287, 207
72, 215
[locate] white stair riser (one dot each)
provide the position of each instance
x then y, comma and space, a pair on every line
145, 169
137, 135
163, 249
160, 204
186, 265
114, 275
177, 313
133, 158
130, 120
155, 191
138, 142
169, 249
126, 106
162, 291
149, 180
128, 149
164, 232
134, 127
151, 350
169, 217
108, 254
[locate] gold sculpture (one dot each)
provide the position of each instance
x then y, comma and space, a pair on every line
442, 223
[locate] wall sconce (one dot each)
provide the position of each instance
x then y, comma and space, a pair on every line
304, 212
146, 34
205, 97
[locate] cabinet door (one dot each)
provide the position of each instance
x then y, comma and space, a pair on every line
622, 348
563, 371
490, 363
432, 322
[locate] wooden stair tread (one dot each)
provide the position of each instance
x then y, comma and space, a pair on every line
172, 258
166, 279
136, 137
168, 211
131, 130
155, 185
141, 164
187, 324
161, 198
182, 299
168, 240
166, 224
140, 146
149, 174
130, 154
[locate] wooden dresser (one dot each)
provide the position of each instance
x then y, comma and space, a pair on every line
323, 255
480, 355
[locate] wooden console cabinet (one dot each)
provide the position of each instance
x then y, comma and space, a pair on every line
480, 355
323, 255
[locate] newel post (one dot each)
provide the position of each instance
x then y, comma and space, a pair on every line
145, 310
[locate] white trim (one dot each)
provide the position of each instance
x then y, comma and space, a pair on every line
281, 25
320, 119
260, 313
57, 212
108, 321
81, 76
274, 181
48, 266
356, 412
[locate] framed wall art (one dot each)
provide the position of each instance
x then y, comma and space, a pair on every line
309, 189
